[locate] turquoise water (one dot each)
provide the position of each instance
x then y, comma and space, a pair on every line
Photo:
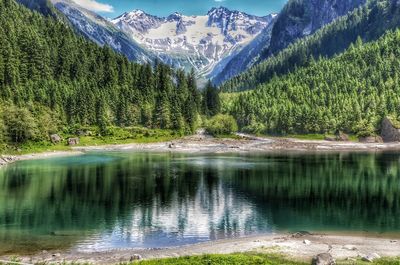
101, 201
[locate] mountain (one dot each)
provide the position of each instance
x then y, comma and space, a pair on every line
101, 31
44, 7
92, 26
244, 59
299, 18
369, 22
200, 42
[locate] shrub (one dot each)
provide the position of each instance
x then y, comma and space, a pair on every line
221, 125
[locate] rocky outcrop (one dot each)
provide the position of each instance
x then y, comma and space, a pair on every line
301, 18
323, 259
390, 131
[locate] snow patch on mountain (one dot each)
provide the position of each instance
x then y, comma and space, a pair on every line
200, 42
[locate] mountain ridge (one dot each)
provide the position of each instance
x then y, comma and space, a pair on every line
197, 41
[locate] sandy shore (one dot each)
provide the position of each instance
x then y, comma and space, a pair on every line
244, 144
201, 143
296, 246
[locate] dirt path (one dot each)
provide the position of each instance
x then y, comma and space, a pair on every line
297, 246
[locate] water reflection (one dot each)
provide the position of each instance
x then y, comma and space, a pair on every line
118, 200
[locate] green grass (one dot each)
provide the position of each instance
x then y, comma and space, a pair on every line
116, 136
250, 258
232, 259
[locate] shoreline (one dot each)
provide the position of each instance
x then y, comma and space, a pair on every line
201, 143
298, 246
342, 245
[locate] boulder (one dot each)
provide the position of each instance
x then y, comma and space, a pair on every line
135, 257
323, 259
330, 138
55, 138
73, 141
341, 136
390, 131
370, 139
371, 257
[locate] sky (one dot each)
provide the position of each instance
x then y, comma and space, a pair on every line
114, 8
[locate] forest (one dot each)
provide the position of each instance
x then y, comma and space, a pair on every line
350, 92
369, 22
53, 80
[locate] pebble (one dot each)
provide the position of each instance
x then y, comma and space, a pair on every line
307, 242
349, 247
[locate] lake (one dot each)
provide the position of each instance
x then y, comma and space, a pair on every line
102, 201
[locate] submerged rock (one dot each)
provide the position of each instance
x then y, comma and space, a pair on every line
323, 259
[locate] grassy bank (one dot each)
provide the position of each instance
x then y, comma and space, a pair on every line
91, 137
250, 259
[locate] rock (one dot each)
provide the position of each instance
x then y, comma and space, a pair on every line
307, 242
349, 247
300, 234
370, 139
73, 141
56, 255
135, 257
55, 138
330, 138
390, 131
323, 259
341, 136
371, 257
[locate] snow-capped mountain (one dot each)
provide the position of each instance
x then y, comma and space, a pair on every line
101, 31
193, 41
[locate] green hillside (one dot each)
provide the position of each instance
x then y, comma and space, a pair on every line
350, 92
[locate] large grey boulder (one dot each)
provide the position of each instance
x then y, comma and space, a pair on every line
390, 130
73, 141
323, 259
55, 138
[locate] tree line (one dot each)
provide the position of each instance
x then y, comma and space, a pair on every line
350, 92
52, 79
369, 22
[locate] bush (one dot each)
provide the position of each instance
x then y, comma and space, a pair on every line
221, 125
255, 128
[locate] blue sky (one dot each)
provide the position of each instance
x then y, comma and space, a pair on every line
113, 8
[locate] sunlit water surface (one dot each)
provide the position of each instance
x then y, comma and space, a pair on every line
102, 201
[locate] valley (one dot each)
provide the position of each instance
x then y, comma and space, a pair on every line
227, 133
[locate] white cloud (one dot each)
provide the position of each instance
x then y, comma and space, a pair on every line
95, 6
219, 1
